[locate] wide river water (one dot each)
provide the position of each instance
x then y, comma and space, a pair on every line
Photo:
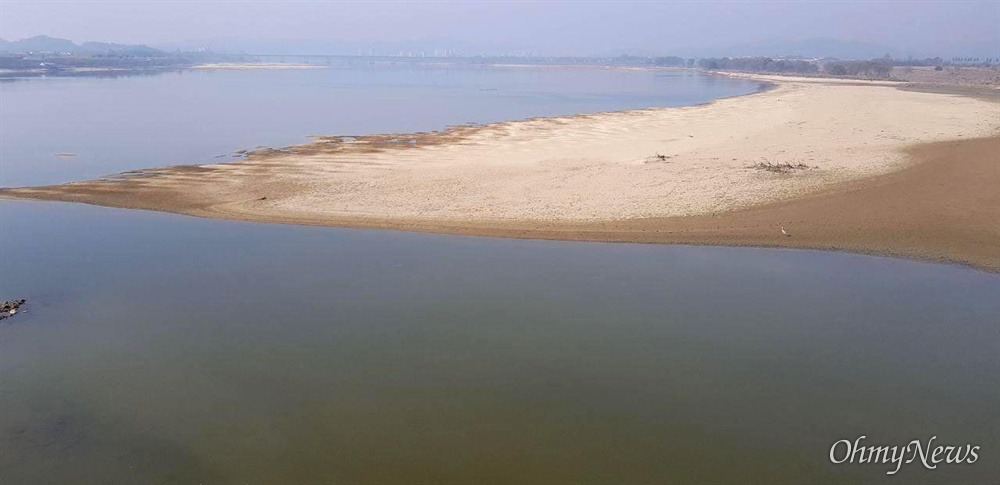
166, 349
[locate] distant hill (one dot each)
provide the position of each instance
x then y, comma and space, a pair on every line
120, 49
40, 43
54, 45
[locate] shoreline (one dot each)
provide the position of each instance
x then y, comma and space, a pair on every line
889, 213
253, 66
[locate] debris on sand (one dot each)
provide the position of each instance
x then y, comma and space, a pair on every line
779, 167
9, 308
658, 157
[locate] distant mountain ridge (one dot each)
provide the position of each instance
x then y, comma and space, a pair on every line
428, 47
436, 47
816, 47
54, 45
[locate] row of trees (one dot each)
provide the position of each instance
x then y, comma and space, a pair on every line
880, 68
974, 60
877, 69
909, 61
673, 61
57, 63
757, 64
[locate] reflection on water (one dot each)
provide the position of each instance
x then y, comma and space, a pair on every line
166, 349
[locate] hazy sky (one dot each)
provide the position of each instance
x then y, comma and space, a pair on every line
551, 27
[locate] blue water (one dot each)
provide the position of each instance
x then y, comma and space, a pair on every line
158, 348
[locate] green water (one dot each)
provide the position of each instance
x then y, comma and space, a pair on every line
165, 349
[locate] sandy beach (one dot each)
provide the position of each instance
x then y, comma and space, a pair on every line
853, 166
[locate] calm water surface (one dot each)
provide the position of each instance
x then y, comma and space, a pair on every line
165, 349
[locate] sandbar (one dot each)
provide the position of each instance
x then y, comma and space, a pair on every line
864, 167
252, 66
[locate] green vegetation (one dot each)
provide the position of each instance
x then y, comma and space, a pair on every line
758, 64
866, 69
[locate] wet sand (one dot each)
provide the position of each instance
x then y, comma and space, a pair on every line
864, 168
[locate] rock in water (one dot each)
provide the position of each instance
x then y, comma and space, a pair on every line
9, 308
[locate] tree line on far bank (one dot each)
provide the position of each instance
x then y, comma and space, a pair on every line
758, 64
880, 68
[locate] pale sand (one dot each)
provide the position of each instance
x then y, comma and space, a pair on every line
809, 79
593, 176
249, 66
